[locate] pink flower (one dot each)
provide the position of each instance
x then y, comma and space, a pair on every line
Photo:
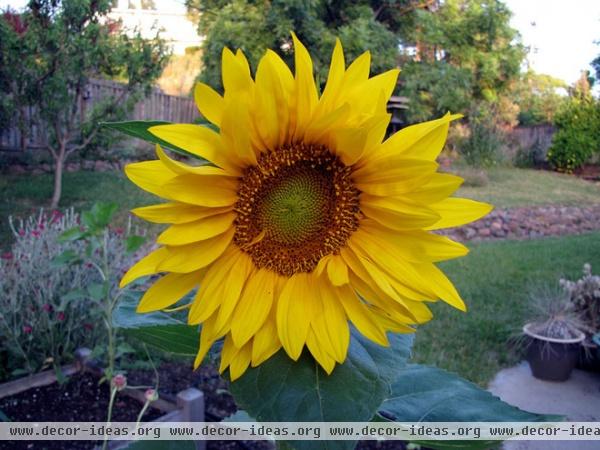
88, 326
7, 255
119, 231
35, 233
119, 382
60, 316
27, 329
151, 395
47, 307
21, 232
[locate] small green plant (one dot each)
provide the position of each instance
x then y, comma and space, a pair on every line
552, 313
577, 137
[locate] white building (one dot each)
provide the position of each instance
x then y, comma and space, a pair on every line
148, 16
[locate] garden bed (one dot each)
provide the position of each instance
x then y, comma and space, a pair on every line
82, 399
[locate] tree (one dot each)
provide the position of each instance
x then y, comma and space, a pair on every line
459, 53
48, 60
257, 25
538, 97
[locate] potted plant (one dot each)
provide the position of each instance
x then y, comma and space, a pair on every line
584, 294
553, 336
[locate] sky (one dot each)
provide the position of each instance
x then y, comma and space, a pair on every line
560, 33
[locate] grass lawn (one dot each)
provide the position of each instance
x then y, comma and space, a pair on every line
494, 280
24, 194
509, 187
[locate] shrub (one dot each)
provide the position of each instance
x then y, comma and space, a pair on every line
482, 147
578, 135
49, 308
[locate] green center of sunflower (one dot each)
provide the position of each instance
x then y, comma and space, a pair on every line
295, 206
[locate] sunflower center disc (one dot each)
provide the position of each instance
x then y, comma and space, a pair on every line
296, 206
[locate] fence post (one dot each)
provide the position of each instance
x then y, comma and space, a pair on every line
191, 403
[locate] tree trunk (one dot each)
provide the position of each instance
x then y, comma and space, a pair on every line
58, 171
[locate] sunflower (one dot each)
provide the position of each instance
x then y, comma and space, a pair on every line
307, 218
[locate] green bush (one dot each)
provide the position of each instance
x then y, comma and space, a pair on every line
482, 147
577, 137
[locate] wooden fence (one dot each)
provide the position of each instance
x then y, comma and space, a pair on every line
157, 106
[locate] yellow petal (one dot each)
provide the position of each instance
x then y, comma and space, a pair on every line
168, 290
177, 212
436, 188
148, 265
266, 342
184, 169
150, 176
393, 169
232, 289
235, 72
414, 245
191, 257
295, 310
458, 211
236, 131
207, 339
209, 191
335, 320
228, 352
254, 306
240, 362
334, 81
337, 270
397, 214
306, 91
393, 275
199, 230
209, 102
209, 295
423, 141
358, 71
315, 348
442, 286
409, 312
272, 103
360, 316
201, 141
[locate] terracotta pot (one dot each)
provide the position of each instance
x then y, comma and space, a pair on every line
552, 359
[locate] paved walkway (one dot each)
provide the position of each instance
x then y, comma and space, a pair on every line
530, 222
578, 399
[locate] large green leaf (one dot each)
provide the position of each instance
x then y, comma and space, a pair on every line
427, 394
139, 129
161, 330
282, 390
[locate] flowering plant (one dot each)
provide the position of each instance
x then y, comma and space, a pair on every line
306, 239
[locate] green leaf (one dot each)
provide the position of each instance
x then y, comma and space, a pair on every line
97, 291
133, 243
72, 234
283, 390
65, 258
4, 417
139, 129
158, 329
103, 213
427, 394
